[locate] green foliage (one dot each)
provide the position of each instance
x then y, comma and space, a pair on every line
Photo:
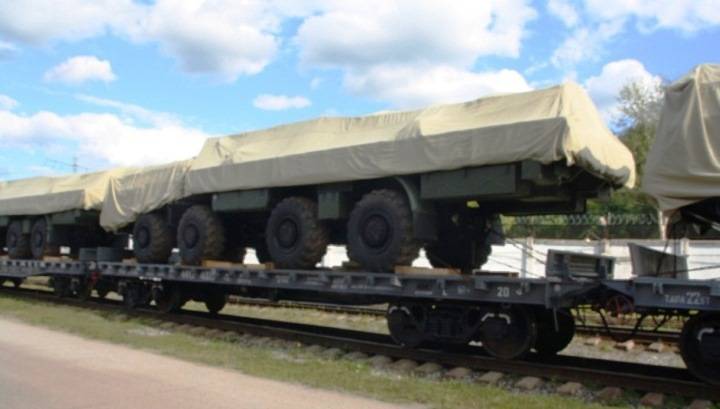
640, 105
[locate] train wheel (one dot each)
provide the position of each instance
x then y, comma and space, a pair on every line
380, 232
135, 295
169, 299
83, 290
152, 239
551, 340
406, 324
215, 302
61, 287
102, 292
17, 282
200, 235
295, 237
508, 333
17, 242
700, 347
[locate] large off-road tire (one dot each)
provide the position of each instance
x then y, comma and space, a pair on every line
380, 232
455, 252
200, 235
39, 245
152, 239
18, 243
464, 240
294, 236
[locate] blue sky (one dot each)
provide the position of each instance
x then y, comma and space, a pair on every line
124, 83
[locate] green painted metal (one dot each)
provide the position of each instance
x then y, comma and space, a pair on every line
4, 221
334, 201
246, 200
73, 217
469, 183
424, 226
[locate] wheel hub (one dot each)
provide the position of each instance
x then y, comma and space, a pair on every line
191, 236
508, 333
287, 233
38, 239
405, 325
143, 237
376, 231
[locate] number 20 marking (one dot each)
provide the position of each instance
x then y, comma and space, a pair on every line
503, 292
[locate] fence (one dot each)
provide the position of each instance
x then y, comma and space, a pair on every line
584, 226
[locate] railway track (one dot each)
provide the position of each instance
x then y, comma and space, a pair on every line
642, 336
646, 378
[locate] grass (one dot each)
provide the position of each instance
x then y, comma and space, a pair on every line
277, 360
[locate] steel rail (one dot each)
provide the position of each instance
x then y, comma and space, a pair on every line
650, 378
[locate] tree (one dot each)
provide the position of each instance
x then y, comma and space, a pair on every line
640, 104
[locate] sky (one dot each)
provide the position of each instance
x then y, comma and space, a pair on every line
106, 83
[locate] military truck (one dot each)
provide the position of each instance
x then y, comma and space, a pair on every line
40, 215
683, 170
384, 185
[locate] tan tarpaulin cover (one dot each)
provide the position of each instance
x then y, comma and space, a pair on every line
546, 125
44, 195
140, 191
683, 166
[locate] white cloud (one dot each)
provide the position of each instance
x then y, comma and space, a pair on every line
598, 22
416, 52
410, 87
685, 15
356, 34
6, 50
565, 11
223, 37
79, 69
132, 112
228, 38
102, 138
605, 87
585, 44
7, 103
280, 102
316, 82
42, 21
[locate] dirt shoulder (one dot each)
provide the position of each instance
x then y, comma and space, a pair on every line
48, 369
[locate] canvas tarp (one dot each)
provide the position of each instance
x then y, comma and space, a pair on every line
683, 166
558, 123
45, 195
140, 191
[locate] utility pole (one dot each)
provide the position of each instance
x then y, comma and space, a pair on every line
74, 165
